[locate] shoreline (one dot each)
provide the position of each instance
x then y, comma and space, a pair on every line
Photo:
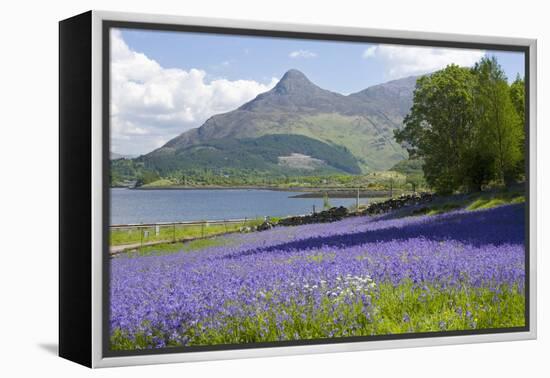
332, 192
347, 194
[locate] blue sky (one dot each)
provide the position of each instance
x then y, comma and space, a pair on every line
165, 83
337, 66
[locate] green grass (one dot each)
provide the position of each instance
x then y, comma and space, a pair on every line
437, 209
485, 204
319, 257
168, 248
376, 149
443, 208
159, 183
397, 309
518, 199
488, 202
475, 201
171, 233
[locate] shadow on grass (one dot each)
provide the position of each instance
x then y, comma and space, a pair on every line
501, 225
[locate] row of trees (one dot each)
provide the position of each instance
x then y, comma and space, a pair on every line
467, 125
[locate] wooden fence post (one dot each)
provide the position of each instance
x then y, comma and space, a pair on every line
357, 202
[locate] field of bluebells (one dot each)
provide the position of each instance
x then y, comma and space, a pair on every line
358, 277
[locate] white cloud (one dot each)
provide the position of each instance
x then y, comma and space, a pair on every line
400, 61
302, 54
371, 51
151, 104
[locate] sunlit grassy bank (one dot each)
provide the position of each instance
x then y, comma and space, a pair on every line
134, 235
470, 202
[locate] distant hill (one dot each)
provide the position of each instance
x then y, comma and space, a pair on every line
115, 156
275, 153
352, 133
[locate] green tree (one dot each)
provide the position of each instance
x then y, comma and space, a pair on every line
467, 127
517, 93
147, 177
438, 128
500, 131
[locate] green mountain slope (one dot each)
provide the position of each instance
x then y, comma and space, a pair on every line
361, 123
292, 154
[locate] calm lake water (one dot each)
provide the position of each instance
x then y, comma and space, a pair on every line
151, 206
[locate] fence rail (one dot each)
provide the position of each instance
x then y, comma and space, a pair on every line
125, 237
179, 223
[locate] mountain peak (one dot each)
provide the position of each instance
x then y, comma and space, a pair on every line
293, 81
294, 74
364, 121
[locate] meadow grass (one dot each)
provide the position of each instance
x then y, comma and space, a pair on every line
180, 232
159, 183
476, 201
404, 308
488, 201
168, 248
437, 209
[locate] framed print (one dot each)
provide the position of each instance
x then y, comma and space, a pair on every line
236, 189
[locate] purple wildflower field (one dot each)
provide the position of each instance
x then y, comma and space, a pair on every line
361, 276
